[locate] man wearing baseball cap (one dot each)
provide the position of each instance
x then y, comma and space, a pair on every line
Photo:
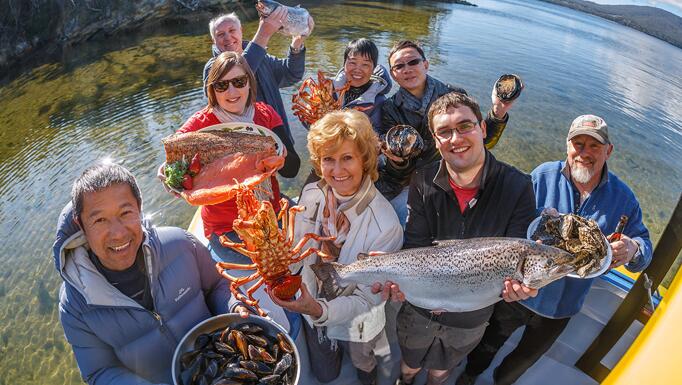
582, 185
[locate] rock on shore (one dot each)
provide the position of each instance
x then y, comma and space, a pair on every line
28, 26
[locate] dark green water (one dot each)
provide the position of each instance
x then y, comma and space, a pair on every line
118, 98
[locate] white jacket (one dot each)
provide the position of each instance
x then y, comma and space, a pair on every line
374, 226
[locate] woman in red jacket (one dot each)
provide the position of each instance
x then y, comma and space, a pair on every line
231, 89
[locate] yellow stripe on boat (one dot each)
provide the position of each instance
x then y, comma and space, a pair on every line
196, 227
653, 358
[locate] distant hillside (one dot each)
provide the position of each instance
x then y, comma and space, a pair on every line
650, 20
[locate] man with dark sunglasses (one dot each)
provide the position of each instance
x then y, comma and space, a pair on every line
409, 68
272, 73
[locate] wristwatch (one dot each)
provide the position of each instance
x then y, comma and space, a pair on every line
297, 50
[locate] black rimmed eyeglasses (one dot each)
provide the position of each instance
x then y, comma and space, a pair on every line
463, 128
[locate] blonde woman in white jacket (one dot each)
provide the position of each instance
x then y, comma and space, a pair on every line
344, 204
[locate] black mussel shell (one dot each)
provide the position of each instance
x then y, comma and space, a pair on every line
257, 340
240, 373
283, 364
257, 353
508, 87
270, 380
241, 342
224, 349
250, 328
187, 358
284, 344
202, 341
404, 141
211, 370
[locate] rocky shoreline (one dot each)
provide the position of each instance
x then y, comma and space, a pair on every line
33, 29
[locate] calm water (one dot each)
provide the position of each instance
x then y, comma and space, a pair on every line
119, 98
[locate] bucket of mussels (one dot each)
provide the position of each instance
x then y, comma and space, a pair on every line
228, 349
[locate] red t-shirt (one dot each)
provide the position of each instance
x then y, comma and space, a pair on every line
218, 218
464, 195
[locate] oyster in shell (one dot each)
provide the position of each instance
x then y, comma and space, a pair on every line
577, 235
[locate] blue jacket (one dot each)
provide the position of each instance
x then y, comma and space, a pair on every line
373, 98
114, 339
609, 200
271, 74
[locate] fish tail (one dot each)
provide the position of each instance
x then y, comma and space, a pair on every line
327, 273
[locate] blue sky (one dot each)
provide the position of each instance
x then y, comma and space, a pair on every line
674, 6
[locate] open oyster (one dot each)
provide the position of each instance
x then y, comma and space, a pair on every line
577, 235
508, 87
404, 141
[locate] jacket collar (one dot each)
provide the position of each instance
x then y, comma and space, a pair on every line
405, 99
360, 201
442, 179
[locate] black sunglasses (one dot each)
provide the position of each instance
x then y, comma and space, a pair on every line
411, 63
238, 82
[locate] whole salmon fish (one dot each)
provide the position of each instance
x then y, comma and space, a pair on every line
455, 275
297, 20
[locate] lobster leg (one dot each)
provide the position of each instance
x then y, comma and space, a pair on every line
306, 238
307, 253
292, 219
250, 292
283, 207
236, 266
239, 247
237, 282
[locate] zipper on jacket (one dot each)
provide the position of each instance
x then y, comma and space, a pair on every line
162, 326
360, 327
158, 318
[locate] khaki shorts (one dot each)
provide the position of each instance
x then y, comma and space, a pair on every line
425, 343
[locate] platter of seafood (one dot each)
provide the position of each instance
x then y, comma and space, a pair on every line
227, 349
205, 166
578, 236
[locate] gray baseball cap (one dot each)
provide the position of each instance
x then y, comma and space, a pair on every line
591, 125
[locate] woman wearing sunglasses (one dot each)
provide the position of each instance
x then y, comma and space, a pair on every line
231, 94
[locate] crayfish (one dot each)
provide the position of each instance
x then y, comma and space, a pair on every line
315, 99
268, 246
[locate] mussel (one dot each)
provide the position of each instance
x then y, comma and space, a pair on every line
243, 354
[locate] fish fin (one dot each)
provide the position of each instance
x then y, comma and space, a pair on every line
328, 275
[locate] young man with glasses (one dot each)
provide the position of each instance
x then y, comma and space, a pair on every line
466, 194
409, 68
272, 73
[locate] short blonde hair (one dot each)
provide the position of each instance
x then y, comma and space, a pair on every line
329, 132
